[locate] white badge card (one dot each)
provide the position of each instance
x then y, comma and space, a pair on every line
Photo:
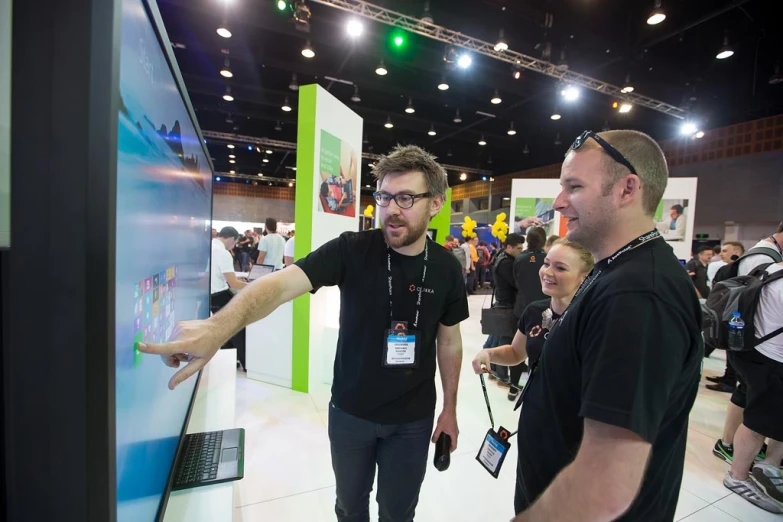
400, 349
493, 451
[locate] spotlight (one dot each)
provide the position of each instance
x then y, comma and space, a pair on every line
228, 97
268, 151
625, 108
223, 31
426, 16
232, 156
627, 87
261, 174
511, 131
496, 98
570, 93
230, 146
388, 123
464, 61
725, 51
517, 73
502, 45
307, 50
699, 135
555, 115
249, 147
463, 176
286, 106
232, 161
482, 141
657, 15
355, 98
225, 72
457, 117
432, 132
410, 109
483, 178
381, 69
290, 184
232, 171
688, 128
282, 5
265, 160
354, 28
443, 86
399, 41
294, 85
217, 178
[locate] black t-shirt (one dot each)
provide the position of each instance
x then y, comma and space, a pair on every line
532, 326
700, 279
526, 267
357, 263
503, 279
627, 352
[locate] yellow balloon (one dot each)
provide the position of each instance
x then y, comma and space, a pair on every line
368, 211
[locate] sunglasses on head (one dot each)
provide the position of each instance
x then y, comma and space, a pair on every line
614, 153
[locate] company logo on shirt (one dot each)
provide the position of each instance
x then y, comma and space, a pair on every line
532, 259
414, 288
535, 331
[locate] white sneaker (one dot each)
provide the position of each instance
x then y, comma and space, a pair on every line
750, 491
770, 479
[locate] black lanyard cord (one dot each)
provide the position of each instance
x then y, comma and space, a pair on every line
420, 289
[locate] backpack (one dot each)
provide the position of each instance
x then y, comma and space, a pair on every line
736, 294
459, 253
483, 255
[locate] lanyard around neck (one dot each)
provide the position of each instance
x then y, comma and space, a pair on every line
419, 290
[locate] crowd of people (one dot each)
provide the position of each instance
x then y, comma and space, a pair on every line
608, 323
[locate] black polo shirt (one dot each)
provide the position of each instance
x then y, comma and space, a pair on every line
627, 352
357, 263
532, 326
526, 267
503, 280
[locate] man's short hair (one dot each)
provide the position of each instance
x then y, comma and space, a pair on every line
271, 225
780, 228
228, 233
716, 249
647, 158
703, 248
736, 244
551, 240
482, 243
514, 240
410, 158
536, 238
449, 238
678, 209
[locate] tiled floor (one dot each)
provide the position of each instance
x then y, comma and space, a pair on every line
288, 474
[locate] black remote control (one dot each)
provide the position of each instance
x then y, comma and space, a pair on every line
442, 452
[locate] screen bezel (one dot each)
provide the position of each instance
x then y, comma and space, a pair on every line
153, 14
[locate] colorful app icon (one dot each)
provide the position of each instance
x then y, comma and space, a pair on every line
155, 309
136, 291
137, 355
137, 324
155, 295
162, 277
148, 285
155, 281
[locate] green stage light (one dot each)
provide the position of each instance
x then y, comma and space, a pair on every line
282, 5
398, 41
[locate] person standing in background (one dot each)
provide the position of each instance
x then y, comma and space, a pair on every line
730, 251
469, 268
243, 248
214, 233
549, 242
697, 269
473, 244
288, 252
272, 246
224, 280
483, 262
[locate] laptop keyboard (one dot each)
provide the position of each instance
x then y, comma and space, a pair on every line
200, 458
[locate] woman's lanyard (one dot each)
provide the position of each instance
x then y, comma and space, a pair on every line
420, 289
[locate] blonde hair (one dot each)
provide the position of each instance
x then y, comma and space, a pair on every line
587, 259
647, 159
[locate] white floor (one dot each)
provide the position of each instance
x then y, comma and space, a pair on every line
288, 473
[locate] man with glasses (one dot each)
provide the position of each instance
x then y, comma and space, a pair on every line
604, 415
400, 293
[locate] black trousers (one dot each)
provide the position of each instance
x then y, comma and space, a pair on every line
217, 301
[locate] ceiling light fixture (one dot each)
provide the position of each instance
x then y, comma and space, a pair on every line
699, 135
627, 87
526, 150
265, 160
427, 16
557, 139
516, 73
223, 31
381, 69
511, 131
443, 86
232, 161
294, 85
232, 156
410, 109
457, 117
307, 50
688, 128
282, 4
502, 45
232, 171
355, 98
388, 123
725, 51
496, 98
776, 77
432, 132
625, 108
225, 72
463, 176
278, 126
230, 146
286, 105
355, 28
482, 141
657, 15
290, 184
555, 115
464, 61
570, 93
227, 96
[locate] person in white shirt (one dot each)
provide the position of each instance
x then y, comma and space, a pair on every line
730, 251
673, 227
224, 279
272, 246
288, 253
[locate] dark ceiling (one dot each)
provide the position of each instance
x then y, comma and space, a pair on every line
606, 39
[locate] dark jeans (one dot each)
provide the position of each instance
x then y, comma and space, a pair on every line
471, 282
482, 274
517, 371
244, 262
217, 301
399, 451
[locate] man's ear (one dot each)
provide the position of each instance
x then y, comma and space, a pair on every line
435, 205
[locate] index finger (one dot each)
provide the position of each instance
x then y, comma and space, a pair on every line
185, 373
159, 349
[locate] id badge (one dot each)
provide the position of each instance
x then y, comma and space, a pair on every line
401, 348
493, 450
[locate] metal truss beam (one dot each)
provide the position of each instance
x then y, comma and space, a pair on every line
287, 145
447, 36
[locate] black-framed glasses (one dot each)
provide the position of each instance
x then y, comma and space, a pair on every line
404, 201
614, 153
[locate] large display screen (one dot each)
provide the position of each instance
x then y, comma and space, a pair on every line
162, 266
